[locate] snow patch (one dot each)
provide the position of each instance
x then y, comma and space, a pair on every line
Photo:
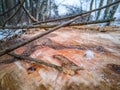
89, 55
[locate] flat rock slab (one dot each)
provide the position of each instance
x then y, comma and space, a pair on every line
97, 53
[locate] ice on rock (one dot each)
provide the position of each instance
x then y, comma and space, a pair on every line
89, 55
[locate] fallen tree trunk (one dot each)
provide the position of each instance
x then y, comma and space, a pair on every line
51, 26
59, 68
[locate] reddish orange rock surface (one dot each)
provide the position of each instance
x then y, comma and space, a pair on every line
96, 52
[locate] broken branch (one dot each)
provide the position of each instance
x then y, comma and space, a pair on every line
59, 68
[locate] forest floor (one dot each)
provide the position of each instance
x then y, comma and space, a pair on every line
95, 50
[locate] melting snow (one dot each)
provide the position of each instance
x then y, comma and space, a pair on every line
89, 55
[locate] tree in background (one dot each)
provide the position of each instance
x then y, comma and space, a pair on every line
42, 10
98, 13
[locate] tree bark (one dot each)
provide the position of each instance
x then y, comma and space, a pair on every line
91, 4
107, 9
51, 26
37, 9
31, 7
112, 12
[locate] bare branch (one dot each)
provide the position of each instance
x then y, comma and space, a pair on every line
59, 68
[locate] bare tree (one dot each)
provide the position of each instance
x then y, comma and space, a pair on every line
99, 11
91, 4
107, 9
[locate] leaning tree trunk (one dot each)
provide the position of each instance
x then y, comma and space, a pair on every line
31, 7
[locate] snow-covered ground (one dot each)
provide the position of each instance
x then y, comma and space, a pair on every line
7, 33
